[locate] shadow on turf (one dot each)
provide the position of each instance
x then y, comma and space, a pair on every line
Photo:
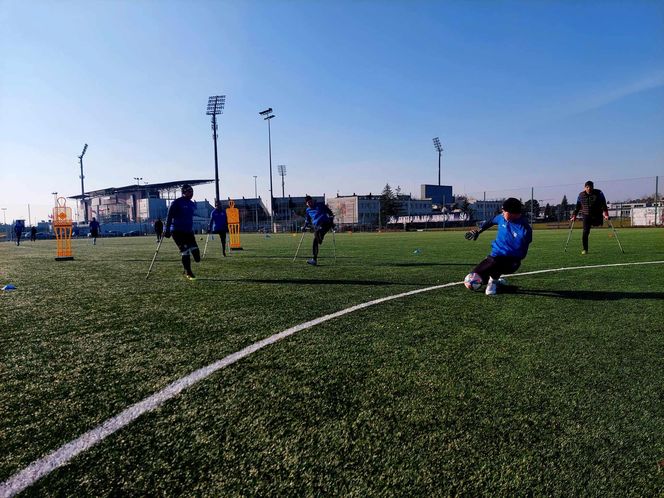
303, 281
592, 295
429, 264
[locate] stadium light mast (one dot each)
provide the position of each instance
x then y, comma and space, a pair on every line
85, 206
4, 215
439, 148
214, 107
282, 174
267, 116
256, 199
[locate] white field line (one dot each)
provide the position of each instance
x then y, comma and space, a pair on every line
44, 466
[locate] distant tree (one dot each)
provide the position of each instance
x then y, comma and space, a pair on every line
563, 209
536, 208
549, 212
389, 206
465, 209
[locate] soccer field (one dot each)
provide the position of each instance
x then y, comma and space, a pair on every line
555, 389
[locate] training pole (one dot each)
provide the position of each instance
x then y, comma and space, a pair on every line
154, 257
571, 225
207, 239
615, 234
298, 246
334, 244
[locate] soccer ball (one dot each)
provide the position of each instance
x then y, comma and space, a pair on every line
472, 281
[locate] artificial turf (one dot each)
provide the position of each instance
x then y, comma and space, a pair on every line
555, 389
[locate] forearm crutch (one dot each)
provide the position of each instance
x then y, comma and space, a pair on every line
334, 244
206, 243
571, 225
298, 246
615, 234
154, 257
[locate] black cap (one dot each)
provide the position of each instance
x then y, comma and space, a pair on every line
512, 205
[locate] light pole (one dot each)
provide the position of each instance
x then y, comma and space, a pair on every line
85, 206
439, 148
267, 113
282, 173
138, 191
256, 200
4, 216
55, 197
215, 106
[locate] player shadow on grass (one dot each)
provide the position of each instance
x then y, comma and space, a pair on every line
592, 295
469, 265
303, 281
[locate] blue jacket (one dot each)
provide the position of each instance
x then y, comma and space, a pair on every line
318, 214
181, 215
513, 237
218, 221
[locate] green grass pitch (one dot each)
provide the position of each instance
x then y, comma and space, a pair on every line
557, 389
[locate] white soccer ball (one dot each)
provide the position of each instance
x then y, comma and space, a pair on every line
472, 281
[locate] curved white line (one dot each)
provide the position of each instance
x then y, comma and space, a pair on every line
44, 466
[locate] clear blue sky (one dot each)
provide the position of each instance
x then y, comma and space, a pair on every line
520, 93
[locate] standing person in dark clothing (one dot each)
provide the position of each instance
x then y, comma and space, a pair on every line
592, 204
321, 218
510, 247
94, 230
33, 234
219, 224
158, 228
180, 223
18, 231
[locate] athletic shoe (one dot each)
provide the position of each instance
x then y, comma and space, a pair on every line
189, 276
502, 281
491, 287
312, 262
584, 252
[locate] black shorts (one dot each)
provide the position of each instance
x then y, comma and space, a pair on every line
94, 233
186, 242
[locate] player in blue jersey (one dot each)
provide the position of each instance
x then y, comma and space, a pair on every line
219, 225
180, 224
18, 231
94, 230
321, 219
508, 249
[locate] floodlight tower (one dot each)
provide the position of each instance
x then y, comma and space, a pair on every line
215, 106
439, 148
256, 199
4, 215
267, 116
282, 174
85, 206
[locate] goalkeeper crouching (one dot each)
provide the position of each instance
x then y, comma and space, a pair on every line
321, 219
508, 249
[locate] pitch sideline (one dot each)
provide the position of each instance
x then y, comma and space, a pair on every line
44, 466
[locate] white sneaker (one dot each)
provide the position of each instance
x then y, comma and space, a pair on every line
491, 287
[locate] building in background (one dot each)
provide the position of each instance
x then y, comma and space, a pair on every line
359, 211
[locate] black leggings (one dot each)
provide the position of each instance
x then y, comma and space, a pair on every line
495, 266
319, 235
588, 223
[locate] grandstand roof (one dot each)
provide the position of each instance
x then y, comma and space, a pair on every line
134, 187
